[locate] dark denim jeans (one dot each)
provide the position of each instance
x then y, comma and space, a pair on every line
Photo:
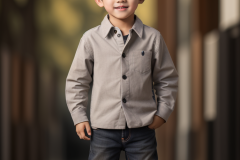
138, 144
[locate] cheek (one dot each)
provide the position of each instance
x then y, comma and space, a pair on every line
133, 6
109, 7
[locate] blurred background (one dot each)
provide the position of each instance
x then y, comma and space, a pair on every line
39, 38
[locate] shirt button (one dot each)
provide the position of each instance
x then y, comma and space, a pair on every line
123, 55
115, 31
124, 100
119, 35
124, 77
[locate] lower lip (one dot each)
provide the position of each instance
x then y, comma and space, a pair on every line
121, 9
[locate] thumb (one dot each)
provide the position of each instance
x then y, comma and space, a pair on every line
88, 129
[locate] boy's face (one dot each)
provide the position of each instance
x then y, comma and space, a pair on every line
112, 7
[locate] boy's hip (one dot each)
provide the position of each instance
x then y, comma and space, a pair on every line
138, 143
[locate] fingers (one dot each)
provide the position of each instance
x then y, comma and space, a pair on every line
152, 127
85, 137
82, 134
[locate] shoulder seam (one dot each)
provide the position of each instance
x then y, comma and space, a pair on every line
89, 47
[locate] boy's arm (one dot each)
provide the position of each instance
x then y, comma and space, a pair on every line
165, 78
78, 82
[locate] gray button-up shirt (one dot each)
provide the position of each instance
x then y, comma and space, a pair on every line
122, 75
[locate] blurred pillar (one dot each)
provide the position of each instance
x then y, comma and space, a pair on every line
227, 141
236, 112
184, 70
5, 103
167, 25
204, 18
227, 144
17, 92
25, 133
30, 106
211, 54
5, 77
48, 113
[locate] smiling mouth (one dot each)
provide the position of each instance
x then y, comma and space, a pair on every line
120, 7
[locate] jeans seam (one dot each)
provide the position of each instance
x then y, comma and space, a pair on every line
129, 135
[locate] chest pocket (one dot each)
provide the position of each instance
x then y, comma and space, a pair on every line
141, 60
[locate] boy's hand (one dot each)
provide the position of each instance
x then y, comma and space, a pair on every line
80, 130
157, 122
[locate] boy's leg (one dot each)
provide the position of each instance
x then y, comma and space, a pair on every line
105, 144
142, 144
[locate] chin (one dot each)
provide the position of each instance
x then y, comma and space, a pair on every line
122, 16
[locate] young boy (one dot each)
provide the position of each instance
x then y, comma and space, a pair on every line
122, 57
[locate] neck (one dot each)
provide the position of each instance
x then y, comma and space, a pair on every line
123, 24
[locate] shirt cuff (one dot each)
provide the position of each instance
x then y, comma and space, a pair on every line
79, 115
163, 111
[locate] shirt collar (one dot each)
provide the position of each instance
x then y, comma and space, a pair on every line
106, 26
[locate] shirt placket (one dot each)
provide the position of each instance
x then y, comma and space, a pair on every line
125, 80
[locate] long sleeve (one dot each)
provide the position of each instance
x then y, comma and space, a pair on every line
165, 78
78, 82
